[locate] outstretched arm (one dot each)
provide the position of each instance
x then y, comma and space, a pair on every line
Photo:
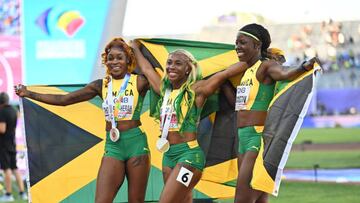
145, 66
277, 72
89, 91
207, 87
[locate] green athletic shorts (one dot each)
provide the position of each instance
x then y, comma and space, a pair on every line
188, 153
132, 143
249, 138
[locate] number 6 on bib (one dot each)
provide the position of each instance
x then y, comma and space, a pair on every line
184, 176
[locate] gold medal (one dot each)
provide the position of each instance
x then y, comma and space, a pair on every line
114, 134
162, 145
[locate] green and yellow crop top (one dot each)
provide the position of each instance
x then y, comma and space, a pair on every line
130, 104
251, 93
189, 122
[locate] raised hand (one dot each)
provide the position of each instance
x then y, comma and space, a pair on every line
308, 65
21, 90
135, 44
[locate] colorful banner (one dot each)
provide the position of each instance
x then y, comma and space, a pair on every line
61, 40
10, 64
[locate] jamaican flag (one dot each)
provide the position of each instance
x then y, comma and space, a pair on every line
283, 122
217, 133
65, 144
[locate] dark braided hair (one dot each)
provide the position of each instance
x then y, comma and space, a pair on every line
262, 34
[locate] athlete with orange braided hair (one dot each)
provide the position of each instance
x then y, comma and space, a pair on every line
126, 149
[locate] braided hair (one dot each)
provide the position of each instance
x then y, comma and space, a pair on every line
121, 44
262, 35
186, 94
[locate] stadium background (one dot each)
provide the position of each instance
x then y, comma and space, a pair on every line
38, 47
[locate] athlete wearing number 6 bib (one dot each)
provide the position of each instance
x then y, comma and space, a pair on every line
126, 148
182, 96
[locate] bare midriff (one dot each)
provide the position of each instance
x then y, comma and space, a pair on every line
251, 118
174, 137
124, 125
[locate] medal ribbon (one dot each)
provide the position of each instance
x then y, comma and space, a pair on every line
110, 98
166, 114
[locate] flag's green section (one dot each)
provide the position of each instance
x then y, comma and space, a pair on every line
280, 85
154, 188
200, 50
146, 103
153, 100
231, 183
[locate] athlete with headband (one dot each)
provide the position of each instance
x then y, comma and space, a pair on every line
126, 148
253, 96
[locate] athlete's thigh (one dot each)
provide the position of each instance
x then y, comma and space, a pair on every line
110, 178
263, 198
175, 189
246, 167
137, 172
166, 171
244, 193
240, 158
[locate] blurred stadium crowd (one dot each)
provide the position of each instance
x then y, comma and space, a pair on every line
335, 43
9, 17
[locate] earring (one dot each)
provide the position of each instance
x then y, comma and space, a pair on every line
187, 73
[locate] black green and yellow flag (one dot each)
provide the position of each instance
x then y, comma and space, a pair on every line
217, 129
283, 122
217, 133
65, 144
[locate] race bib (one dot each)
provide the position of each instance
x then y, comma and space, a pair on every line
126, 108
184, 176
173, 120
242, 96
106, 109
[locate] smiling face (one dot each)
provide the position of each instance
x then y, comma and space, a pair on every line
247, 48
117, 62
178, 68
